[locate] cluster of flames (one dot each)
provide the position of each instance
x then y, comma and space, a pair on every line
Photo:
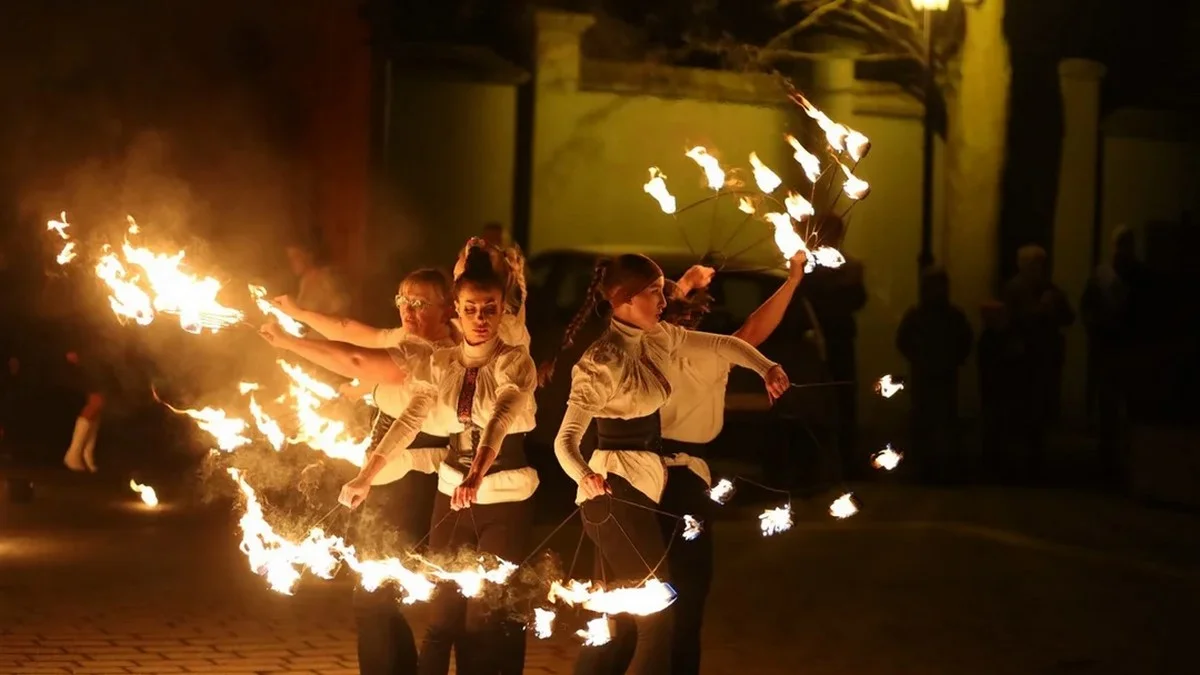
779, 519
792, 208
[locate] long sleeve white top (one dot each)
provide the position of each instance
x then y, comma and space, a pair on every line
503, 404
408, 403
615, 378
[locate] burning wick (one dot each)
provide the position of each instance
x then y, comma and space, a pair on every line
886, 459
149, 497
854, 187
844, 506
766, 179
596, 633
287, 323
691, 528
857, 144
657, 188
543, 623
807, 160
774, 521
713, 172
887, 386
722, 492
746, 206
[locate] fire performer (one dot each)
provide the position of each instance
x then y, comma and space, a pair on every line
620, 381
691, 419
480, 393
404, 490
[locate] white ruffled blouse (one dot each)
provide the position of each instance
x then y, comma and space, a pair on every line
503, 405
623, 375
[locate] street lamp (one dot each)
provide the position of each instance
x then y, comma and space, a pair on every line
929, 88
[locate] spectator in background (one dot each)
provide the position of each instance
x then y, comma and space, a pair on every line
1112, 306
836, 295
1038, 312
319, 288
83, 376
493, 234
935, 338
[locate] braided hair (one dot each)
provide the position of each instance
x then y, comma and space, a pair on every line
615, 281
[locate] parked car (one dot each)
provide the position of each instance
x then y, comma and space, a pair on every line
754, 430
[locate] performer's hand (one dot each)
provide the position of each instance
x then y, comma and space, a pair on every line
594, 485
777, 382
696, 278
798, 262
466, 493
271, 332
286, 304
354, 492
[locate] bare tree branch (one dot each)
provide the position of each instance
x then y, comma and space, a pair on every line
804, 24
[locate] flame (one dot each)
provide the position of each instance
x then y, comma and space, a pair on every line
267, 426
315, 430
147, 493
722, 492
745, 205
470, 581
287, 323
787, 240
596, 634
229, 432
67, 254
543, 623
886, 459
275, 558
844, 506
766, 179
691, 528
857, 145
798, 207
835, 133
888, 387
854, 187
649, 597
247, 387
807, 160
713, 172
162, 286
774, 521
657, 188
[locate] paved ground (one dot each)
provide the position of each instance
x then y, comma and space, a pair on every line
975, 581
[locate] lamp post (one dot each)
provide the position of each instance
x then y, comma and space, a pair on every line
928, 92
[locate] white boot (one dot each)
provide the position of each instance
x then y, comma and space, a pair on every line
74, 457
89, 445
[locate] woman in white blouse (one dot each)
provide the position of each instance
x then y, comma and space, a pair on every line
404, 489
480, 393
621, 383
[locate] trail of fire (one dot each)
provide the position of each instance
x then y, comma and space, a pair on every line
282, 562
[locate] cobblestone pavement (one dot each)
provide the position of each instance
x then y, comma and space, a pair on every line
966, 582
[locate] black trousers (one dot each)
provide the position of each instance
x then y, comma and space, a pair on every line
394, 518
690, 562
489, 640
630, 546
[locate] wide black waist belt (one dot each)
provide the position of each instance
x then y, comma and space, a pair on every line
639, 433
511, 453
424, 440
